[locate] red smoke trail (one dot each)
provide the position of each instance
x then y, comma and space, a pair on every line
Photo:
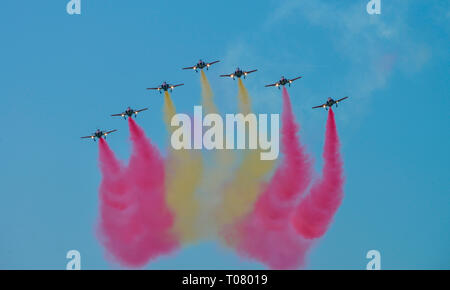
267, 234
135, 222
315, 213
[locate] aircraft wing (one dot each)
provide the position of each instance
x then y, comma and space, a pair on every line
249, 72
230, 75
106, 133
208, 64
295, 79
87, 137
342, 99
271, 85
191, 67
145, 109
321, 106
117, 115
154, 88
173, 86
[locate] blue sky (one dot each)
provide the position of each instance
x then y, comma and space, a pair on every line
61, 77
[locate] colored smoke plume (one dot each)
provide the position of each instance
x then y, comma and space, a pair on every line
169, 111
242, 190
184, 169
316, 211
267, 220
267, 234
207, 95
135, 222
244, 98
217, 169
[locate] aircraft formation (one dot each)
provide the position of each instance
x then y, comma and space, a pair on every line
200, 65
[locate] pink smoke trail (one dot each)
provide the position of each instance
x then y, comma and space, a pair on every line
316, 211
267, 234
135, 222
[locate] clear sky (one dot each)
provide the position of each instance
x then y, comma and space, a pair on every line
61, 76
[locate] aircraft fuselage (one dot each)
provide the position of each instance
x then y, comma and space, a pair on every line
238, 73
98, 134
165, 87
283, 81
330, 102
201, 65
129, 112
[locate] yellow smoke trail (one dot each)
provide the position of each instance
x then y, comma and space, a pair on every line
169, 111
244, 98
218, 168
183, 174
207, 95
244, 188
